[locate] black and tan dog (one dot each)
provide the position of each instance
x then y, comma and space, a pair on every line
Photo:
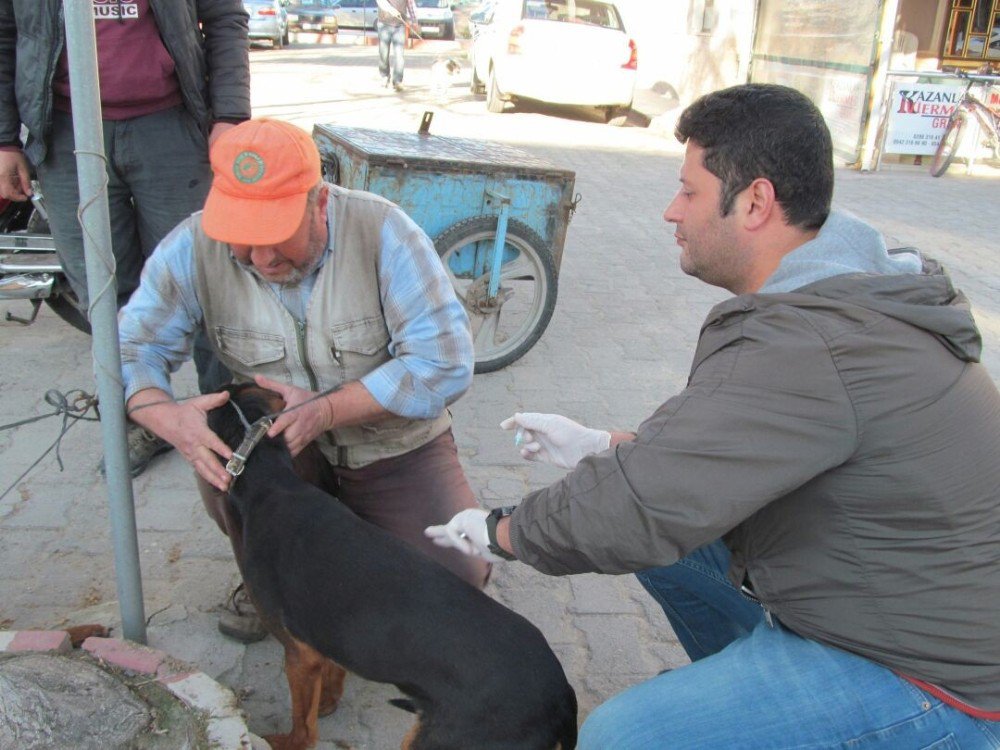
337, 590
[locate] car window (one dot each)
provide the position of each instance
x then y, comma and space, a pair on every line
432, 3
570, 11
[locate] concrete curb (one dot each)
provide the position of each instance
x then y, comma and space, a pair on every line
226, 725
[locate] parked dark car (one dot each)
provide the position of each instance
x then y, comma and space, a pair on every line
313, 16
356, 14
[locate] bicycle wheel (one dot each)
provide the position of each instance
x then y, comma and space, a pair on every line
949, 144
507, 326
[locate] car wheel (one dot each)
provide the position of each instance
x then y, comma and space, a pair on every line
448, 32
494, 101
616, 116
286, 39
476, 86
276, 42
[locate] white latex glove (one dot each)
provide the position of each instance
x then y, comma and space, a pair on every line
556, 439
466, 532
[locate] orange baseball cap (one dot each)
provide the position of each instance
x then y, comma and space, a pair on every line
263, 170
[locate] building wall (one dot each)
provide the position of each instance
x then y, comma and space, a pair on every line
689, 47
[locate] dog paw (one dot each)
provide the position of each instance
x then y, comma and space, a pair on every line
328, 707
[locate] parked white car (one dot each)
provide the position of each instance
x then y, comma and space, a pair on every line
557, 51
435, 18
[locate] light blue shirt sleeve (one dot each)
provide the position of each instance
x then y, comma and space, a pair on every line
430, 337
157, 326
430, 341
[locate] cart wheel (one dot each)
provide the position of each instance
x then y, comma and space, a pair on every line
506, 327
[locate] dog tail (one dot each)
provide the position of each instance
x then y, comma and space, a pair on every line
404, 703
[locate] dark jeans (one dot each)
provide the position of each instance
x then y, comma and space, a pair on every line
158, 175
403, 495
705, 610
755, 684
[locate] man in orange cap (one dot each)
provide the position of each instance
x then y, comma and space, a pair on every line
304, 286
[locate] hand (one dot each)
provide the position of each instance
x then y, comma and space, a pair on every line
303, 425
217, 130
555, 439
466, 532
185, 426
15, 176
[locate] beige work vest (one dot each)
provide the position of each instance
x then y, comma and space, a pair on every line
344, 336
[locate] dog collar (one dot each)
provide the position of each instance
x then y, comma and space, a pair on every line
254, 434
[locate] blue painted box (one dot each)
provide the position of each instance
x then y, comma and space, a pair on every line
467, 194
441, 180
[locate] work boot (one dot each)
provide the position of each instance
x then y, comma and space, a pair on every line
143, 446
239, 619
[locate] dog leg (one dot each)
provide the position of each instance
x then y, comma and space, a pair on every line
304, 671
332, 687
410, 737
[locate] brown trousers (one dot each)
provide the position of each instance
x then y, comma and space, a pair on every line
402, 495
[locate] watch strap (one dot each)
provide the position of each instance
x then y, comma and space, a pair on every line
492, 519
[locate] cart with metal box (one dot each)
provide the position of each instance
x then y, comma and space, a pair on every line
497, 215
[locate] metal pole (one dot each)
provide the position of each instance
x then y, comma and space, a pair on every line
81, 46
877, 94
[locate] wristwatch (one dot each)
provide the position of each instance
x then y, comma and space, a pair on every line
491, 531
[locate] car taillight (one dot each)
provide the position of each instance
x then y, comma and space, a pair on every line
265, 12
514, 40
633, 56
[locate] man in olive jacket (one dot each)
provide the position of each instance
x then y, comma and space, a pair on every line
174, 74
835, 455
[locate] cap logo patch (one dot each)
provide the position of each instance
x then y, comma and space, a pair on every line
248, 167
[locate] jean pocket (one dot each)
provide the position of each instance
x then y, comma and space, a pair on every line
947, 742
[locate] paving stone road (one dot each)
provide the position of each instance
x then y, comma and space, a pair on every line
619, 343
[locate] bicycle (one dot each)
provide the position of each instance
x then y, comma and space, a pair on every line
969, 108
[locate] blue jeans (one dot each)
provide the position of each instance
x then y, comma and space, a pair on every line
393, 37
158, 175
768, 688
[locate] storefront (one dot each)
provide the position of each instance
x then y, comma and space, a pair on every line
852, 58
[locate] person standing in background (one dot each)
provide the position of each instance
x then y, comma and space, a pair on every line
174, 75
394, 17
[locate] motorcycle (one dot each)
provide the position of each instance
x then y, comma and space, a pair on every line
29, 265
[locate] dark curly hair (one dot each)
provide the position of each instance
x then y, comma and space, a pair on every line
764, 130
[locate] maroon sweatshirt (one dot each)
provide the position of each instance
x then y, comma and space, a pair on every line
136, 71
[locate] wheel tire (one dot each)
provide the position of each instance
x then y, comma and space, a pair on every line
448, 32
62, 304
277, 42
616, 117
532, 263
494, 101
286, 38
948, 147
476, 86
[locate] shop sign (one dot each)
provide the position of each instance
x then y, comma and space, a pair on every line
918, 116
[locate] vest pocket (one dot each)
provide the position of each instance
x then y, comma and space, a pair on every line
360, 346
250, 348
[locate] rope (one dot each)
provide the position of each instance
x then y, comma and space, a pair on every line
73, 405
272, 417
